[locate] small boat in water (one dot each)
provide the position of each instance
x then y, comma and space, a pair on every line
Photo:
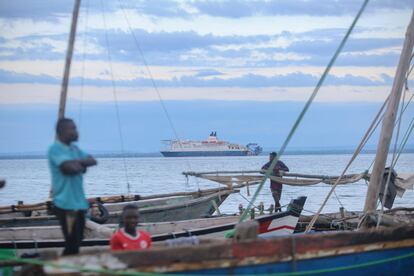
166, 207
336, 253
210, 147
270, 225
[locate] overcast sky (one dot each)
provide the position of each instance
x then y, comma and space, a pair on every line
203, 53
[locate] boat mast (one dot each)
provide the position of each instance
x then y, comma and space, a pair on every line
389, 120
69, 52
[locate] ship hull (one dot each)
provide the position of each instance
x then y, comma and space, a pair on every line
203, 153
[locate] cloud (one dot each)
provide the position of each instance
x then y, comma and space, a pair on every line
245, 8
208, 73
39, 9
322, 47
192, 49
12, 77
159, 8
295, 79
30, 93
170, 41
50, 9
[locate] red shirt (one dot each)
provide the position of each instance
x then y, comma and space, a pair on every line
121, 240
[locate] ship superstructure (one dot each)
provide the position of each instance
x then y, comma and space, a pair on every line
210, 147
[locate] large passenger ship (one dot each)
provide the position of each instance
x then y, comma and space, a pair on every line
210, 147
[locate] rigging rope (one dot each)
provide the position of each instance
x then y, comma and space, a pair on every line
402, 145
83, 65
306, 107
393, 159
114, 92
164, 108
396, 122
320, 209
405, 139
356, 153
337, 198
405, 107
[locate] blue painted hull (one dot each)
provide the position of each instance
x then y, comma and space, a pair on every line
202, 153
381, 262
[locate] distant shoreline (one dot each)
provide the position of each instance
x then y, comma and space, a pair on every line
157, 154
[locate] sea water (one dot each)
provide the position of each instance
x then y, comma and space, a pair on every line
29, 179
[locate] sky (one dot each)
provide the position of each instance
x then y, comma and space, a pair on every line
144, 71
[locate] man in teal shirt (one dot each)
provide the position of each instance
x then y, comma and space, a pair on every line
67, 165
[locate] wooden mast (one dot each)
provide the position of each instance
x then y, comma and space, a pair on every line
389, 120
69, 52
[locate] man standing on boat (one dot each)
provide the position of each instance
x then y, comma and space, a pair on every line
67, 164
276, 187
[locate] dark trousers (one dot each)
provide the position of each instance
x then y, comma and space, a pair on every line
72, 224
277, 194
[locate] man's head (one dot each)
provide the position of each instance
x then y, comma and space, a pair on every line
130, 216
66, 131
272, 155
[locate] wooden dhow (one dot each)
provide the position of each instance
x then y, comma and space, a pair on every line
179, 206
270, 225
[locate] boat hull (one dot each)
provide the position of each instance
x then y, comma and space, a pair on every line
272, 225
203, 153
379, 251
202, 206
392, 262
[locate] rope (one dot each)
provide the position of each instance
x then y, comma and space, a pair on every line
249, 201
411, 69
115, 97
305, 108
337, 198
148, 70
405, 107
83, 65
164, 108
396, 122
323, 215
364, 140
393, 160
405, 139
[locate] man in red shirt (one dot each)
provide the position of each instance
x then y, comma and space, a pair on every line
276, 187
128, 237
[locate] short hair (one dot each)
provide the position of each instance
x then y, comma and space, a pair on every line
273, 153
61, 124
129, 207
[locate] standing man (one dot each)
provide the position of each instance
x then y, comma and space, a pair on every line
67, 164
276, 187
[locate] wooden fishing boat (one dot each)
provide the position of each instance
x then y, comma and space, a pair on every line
338, 253
275, 224
112, 203
185, 206
346, 220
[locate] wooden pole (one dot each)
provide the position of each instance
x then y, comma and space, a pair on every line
389, 120
69, 52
